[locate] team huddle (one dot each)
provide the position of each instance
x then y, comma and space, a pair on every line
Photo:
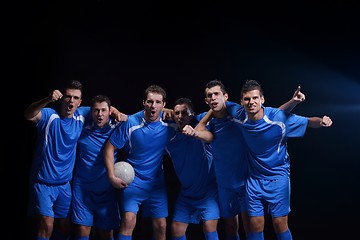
231, 162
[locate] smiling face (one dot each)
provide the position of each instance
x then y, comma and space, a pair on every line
252, 101
153, 104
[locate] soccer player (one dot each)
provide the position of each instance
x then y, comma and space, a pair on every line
144, 137
58, 130
229, 154
266, 131
94, 202
192, 160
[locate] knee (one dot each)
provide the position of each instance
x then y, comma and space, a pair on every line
280, 224
256, 224
210, 226
160, 226
178, 229
128, 221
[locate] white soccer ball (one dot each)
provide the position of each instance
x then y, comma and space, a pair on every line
124, 171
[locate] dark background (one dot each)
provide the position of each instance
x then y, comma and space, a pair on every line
118, 49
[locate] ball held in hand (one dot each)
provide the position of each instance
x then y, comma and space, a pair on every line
124, 171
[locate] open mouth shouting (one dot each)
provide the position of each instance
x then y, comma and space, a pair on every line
70, 107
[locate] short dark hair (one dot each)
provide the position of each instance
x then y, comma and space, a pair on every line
99, 99
214, 83
186, 101
250, 85
155, 89
73, 84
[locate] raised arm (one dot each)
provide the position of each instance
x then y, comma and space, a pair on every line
316, 122
33, 112
297, 98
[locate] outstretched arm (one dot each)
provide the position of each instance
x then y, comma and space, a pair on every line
33, 112
316, 122
297, 98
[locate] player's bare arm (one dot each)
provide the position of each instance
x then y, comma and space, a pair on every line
119, 116
298, 97
110, 168
168, 114
317, 122
33, 112
201, 126
203, 135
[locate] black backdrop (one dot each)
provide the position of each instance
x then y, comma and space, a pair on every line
118, 49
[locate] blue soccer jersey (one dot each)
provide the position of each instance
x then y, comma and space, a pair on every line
266, 140
192, 161
230, 161
56, 147
229, 155
94, 200
145, 144
89, 166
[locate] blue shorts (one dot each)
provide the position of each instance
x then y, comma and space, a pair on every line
188, 210
152, 196
50, 200
95, 208
268, 196
231, 201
